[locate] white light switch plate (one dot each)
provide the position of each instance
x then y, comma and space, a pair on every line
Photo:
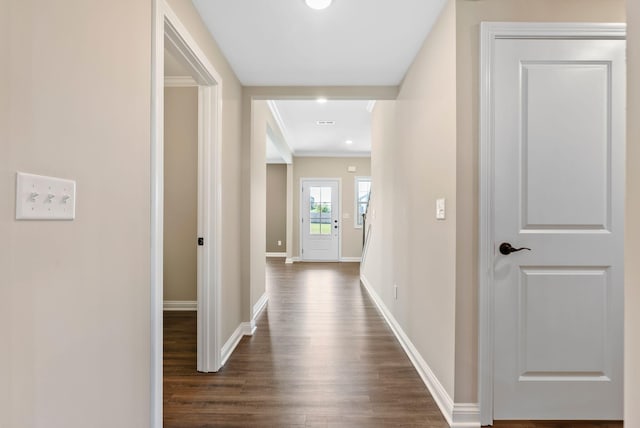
44, 198
440, 209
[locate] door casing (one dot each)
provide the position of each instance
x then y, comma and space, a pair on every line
489, 32
169, 32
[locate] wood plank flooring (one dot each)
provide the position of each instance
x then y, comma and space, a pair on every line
322, 356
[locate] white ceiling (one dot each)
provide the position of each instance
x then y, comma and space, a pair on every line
353, 42
306, 138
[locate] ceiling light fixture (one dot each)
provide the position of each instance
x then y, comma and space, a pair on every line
318, 4
348, 142
321, 100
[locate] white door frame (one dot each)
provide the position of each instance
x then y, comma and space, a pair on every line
489, 33
302, 208
166, 27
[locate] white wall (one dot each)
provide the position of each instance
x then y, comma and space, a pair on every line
75, 304
632, 232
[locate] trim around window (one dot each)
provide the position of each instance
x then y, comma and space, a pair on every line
362, 191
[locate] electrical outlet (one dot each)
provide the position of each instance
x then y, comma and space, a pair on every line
279, 243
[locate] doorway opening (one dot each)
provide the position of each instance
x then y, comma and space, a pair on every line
297, 134
175, 49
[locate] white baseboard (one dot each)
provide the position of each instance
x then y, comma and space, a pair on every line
290, 260
180, 305
458, 415
276, 254
259, 307
249, 328
231, 344
466, 415
244, 329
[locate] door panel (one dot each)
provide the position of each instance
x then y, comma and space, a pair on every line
320, 220
559, 171
565, 113
548, 318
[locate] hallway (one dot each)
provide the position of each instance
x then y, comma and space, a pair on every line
322, 356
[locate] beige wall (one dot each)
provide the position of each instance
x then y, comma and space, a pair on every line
436, 155
6, 301
326, 167
632, 232
413, 164
75, 305
469, 15
425, 171
87, 303
233, 163
180, 193
276, 208
262, 120
379, 260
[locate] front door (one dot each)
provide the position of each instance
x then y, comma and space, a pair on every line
320, 220
558, 123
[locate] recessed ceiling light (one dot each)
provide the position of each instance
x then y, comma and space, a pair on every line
348, 142
321, 100
318, 4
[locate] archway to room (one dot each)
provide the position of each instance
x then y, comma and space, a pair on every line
339, 153
319, 142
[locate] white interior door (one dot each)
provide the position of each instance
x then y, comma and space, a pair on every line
558, 125
320, 220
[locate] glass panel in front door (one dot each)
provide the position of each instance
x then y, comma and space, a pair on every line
319, 210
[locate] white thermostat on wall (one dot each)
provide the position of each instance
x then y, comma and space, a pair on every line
44, 198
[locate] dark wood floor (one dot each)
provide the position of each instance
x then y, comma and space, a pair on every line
322, 356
